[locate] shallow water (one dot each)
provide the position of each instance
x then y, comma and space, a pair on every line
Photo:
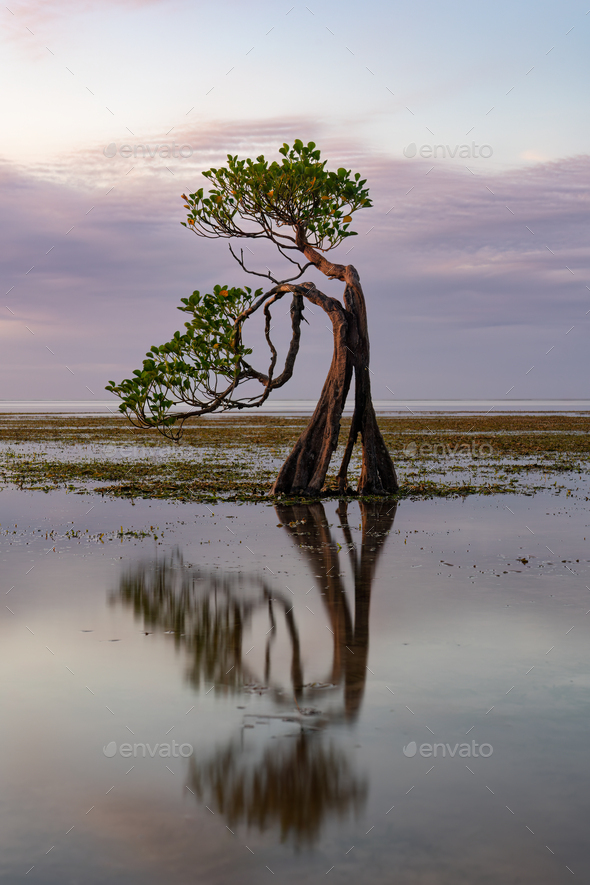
295, 652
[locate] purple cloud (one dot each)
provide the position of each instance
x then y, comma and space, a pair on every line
464, 294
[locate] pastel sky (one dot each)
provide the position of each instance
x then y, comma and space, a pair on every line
469, 120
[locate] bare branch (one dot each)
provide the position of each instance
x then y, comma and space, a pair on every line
269, 275
266, 276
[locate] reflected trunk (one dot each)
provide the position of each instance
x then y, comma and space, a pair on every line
309, 528
300, 778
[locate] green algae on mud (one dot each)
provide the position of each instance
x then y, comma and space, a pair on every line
235, 458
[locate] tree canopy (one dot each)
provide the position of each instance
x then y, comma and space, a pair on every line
199, 370
257, 199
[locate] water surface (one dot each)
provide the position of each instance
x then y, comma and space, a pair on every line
292, 653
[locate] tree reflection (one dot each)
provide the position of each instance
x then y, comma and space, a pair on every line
206, 611
296, 784
297, 781
309, 528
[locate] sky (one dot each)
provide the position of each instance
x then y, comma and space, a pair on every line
469, 120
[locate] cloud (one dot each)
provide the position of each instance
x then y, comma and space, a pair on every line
210, 141
458, 268
42, 17
534, 156
482, 233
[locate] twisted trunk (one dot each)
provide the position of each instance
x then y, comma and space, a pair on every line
304, 471
308, 526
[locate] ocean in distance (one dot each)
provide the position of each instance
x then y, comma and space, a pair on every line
305, 407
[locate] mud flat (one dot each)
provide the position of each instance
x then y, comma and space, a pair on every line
235, 458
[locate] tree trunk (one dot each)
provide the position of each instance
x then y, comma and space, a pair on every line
304, 471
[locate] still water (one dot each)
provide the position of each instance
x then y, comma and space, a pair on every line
224, 694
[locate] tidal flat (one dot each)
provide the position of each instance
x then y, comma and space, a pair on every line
203, 684
235, 457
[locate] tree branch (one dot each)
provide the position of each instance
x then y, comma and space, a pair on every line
269, 275
266, 276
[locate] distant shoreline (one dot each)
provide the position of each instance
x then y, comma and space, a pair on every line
306, 407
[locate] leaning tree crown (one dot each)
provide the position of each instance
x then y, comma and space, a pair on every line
306, 211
